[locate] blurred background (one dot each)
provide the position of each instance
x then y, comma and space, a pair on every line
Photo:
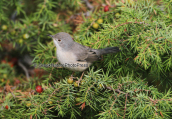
140, 28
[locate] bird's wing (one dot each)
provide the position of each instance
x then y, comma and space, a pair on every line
85, 53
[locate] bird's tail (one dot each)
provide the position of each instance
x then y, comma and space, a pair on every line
107, 50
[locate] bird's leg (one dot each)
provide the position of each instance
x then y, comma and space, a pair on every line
72, 75
80, 78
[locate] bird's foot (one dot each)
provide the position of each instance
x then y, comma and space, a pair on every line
72, 76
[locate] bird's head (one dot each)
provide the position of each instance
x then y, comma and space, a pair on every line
62, 40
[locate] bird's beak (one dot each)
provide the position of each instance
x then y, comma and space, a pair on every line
50, 35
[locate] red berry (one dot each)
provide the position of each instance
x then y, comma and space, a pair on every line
17, 81
3, 61
14, 60
11, 64
6, 107
106, 8
39, 89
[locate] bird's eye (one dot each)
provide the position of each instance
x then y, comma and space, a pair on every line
59, 40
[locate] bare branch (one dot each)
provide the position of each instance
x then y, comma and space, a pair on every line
25, 70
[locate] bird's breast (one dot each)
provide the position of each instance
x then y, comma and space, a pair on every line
65, 56
69, 61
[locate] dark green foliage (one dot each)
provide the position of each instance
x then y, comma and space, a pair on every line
134, 83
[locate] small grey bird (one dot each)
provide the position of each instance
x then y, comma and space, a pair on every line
75, 56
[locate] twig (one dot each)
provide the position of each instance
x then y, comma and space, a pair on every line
125, 104
130, 23
51, 95
116, 90
113, 102
91, 7
13, 16
52, 107
85, 14
80, 79
25, 70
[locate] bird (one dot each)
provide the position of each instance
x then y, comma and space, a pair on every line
77, 57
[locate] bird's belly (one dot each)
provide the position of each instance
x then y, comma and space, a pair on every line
65, 57
78, 66
69, 61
